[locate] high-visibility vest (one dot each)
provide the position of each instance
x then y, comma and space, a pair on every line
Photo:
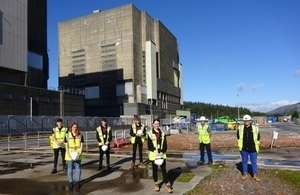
101, 136
152, 136
59, 136
204, 136
255, 131
73, 145
132, 140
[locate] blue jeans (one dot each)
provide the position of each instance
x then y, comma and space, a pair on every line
253, 160
77, 165
208, 151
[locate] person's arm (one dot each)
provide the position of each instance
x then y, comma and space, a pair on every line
209, 131
258, 135
144, 130
97, 137
110, 137
164, 146
81, 145
67, 147
131, 132
238, 133
150, 144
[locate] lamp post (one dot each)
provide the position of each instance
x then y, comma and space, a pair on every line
238, 106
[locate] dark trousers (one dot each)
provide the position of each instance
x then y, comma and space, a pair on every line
56, 153
208, 151
163, 171
101, 154
134, 147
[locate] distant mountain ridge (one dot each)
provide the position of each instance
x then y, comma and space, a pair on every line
283, 110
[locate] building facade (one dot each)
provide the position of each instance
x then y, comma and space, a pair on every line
24, 63
126, 62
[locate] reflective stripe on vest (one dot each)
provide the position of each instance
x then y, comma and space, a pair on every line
73, 145
100, 134
152, 136
59, 136
203, 134
132, 140
255, 131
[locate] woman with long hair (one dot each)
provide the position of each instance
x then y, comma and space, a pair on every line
74, 144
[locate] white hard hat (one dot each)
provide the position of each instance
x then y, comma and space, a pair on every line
202, 118
139, 132
104, 147
74, 155
247, 117
159, 161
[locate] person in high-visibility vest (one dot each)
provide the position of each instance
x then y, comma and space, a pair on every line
58, 136
204, 141
137, 133
248, 137
74, 145
104, 137
157, 146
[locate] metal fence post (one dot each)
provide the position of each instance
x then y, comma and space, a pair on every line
38, 139
25, 140
8, 142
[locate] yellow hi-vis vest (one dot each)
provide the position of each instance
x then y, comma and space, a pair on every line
132, 140
101, 136
255, 131
152, 136
203, 134
73, 145
59, 136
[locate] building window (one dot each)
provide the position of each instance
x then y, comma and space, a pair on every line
78, 61
92, 92
125, 89
5, 95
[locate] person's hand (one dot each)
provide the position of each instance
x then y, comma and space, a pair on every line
156, 153
160, 154
106, 143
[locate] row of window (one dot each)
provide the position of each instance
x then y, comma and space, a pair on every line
20, 97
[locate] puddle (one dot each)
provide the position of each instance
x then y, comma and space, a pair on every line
281, 162
191, 164
215, 156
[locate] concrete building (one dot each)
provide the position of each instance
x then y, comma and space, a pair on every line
24, 63
126, 62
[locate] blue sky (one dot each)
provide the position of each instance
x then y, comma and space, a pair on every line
234, 52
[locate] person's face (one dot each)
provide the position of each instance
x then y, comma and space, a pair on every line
202, 122
59, 124
137, 121
74, 128
247, 122
156, 124
103, 123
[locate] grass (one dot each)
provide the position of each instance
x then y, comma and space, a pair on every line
289, 176
183, 177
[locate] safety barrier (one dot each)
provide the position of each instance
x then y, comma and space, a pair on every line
122, 138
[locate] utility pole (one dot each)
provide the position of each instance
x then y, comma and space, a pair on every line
238, 106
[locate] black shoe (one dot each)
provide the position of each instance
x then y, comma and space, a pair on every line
77, 185
99, 167
200, 162
71, 185
210, 163
108, 168
53, 171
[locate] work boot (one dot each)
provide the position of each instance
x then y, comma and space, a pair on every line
255, 177
210, 163
132, 166
108, 167
156, 186
77, 185
71, 185
200, 163
244, 176
168, 188
142, 166
53, 171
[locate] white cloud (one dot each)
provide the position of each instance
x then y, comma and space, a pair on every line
266, 107
297, 72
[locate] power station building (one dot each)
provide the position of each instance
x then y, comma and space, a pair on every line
126, 62
24, 63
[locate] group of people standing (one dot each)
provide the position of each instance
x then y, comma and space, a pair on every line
248, 136
70, 144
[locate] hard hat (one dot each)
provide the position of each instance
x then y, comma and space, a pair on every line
247, 117
159, 161
139, 132
104, 147
202, 118
74, 155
